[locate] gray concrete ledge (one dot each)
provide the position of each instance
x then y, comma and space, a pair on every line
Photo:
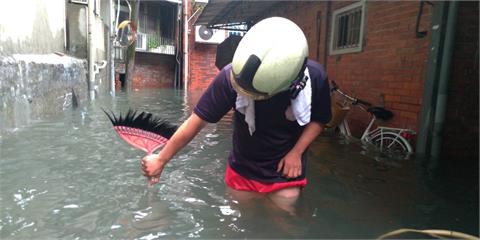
35, 86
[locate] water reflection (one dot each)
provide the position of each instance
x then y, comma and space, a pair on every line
152, 214
70, 176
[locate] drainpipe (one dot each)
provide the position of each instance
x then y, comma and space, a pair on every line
111, 47
327, 32
445, 70
178, 49
96, 67
185, 42
437, 31
91, 50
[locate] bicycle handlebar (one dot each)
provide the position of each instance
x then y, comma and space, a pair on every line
350, 98
364, 102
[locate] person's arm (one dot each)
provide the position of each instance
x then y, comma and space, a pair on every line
215, 102
291, 164
153, 164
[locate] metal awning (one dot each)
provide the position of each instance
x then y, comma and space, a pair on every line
220, 13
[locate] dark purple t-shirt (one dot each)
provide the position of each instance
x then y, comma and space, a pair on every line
256, 156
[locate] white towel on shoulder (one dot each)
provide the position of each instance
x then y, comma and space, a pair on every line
300, 106
246, 106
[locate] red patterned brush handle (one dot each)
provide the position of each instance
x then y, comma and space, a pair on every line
141, 139
143, 131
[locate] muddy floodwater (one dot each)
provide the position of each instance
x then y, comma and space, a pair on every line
70, 176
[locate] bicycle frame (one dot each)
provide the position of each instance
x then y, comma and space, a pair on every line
385, 138
345, 128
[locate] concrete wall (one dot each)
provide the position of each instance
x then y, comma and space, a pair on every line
34, 82
32, 26
35, 86
77, 39
100, 40
77, 30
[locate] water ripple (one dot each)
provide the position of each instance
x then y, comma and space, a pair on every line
71, 177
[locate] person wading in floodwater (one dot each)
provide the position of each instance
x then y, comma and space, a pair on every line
281, 101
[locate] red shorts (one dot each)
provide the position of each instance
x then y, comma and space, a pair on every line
237, 182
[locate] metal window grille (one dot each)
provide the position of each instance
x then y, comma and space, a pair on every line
140, 43
155, 44
119, 53
347, 30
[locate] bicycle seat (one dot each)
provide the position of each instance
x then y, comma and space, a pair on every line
380, 113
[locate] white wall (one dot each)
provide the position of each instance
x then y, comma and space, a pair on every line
32, 26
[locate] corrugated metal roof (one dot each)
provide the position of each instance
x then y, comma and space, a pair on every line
222, 12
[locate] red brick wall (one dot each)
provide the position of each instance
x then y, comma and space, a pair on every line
153, 71
391, 65
202, 64
460, 138
201, 56
390, 68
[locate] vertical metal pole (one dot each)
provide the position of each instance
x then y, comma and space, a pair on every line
91, 50
327, 32
441, 102
185, 48
130, 60
65, 28
178, 46
112, 33
430, 86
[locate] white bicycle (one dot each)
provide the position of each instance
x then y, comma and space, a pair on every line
393, 142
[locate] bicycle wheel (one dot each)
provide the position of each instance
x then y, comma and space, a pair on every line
392, 144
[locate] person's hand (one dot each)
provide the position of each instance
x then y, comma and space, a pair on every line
153, 180
291, 165
152, 167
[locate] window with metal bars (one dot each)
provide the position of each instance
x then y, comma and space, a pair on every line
347, 29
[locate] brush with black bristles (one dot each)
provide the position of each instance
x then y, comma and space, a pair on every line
142, 130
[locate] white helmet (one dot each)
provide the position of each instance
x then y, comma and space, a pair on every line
270, 56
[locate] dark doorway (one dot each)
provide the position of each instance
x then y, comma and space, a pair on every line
122, 77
